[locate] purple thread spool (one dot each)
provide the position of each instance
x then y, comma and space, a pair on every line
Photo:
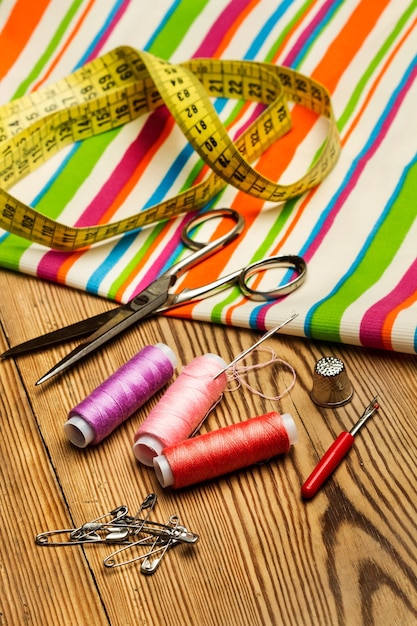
118, 397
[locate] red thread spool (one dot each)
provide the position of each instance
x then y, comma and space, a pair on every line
225, 450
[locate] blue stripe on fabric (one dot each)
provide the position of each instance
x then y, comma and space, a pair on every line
266, 29
161, 25
315, 31
367, 147
101, 33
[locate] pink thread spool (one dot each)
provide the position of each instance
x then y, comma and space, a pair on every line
182, 408
225, 450
118, 397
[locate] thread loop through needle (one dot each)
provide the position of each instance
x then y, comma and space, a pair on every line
264, 337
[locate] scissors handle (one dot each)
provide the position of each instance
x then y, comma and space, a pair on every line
202, 250
241, 277
290, 261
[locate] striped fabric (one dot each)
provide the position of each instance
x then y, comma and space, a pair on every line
357, 230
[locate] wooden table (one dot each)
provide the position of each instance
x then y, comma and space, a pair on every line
265, 556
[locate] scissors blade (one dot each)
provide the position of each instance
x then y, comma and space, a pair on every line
72, 331
146, 303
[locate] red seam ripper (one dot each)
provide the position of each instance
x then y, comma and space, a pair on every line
335, 454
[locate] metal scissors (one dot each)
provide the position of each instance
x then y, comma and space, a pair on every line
158, 297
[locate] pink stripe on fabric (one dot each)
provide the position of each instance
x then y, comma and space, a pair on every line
371, 331
136, 151
307, 33
219, 29
51, 262
109, 30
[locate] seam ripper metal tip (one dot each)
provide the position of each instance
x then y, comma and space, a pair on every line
335, 454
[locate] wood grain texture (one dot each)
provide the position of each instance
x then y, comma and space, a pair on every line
265, 557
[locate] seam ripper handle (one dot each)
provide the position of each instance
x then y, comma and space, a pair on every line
326, 466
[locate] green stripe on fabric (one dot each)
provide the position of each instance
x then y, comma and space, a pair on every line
386, 242
56, 198
377, 59
51, 48
171, 35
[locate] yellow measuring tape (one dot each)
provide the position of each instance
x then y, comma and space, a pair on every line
124, 84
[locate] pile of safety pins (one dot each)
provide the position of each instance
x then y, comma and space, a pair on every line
149, 540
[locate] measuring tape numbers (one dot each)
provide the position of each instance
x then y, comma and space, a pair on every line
125, 84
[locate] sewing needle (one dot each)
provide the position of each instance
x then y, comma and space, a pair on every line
336, 453
268, 334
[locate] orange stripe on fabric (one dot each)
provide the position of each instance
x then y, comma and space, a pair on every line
348, 42
388, 325
65, 46
377, 81
236, 24
23, 19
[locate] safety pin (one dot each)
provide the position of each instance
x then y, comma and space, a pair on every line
147, 505
160, 536
116, 535
87, 533
91, 528
149, 540
150, 566
43, 539
178, 535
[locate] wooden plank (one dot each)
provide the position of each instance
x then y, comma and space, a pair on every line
264, 556
37, 585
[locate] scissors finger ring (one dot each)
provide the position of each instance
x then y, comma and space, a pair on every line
209, 215
290, 261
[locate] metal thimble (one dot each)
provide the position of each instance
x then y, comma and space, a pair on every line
331, 385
